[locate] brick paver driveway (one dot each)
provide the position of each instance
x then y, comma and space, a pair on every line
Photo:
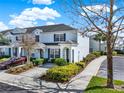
118, 66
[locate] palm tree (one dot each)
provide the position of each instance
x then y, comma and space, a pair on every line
99, 37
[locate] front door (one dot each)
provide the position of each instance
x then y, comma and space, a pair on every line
67, 55
73, 55
41, 53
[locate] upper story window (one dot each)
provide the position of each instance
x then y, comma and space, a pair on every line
59, 37
37, 38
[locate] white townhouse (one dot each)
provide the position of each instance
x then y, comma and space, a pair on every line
54, 41
94, 45
119, 44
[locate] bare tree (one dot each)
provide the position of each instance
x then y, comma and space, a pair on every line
102, 17
28, 43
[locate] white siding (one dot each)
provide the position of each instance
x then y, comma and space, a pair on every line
48, 37
83, 47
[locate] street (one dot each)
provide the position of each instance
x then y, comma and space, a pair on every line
118, 68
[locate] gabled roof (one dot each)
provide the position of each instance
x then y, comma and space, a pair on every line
48, 28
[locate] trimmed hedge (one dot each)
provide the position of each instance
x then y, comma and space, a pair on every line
97, 53
60, 62
89, 57
81, 64
38, 61
63, 73
114, 53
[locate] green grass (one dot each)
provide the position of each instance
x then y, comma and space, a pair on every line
97, 85
3, 59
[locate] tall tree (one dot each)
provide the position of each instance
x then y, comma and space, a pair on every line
4, 40
28, 43
99, 37
102, 17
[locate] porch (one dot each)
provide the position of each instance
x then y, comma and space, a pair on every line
65, 51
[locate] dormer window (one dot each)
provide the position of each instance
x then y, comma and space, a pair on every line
37, 38
59, 37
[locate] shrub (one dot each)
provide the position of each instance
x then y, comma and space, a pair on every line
45, 60
19, 69
38, 61
53, 60
103, 53
114, 53
63, 73
97, 53
89, 57
81, 64
31, 59
60, 62
119, 51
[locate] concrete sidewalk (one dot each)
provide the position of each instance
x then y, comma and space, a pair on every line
76, 84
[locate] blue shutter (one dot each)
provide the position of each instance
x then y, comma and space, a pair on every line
48, 53
64, 37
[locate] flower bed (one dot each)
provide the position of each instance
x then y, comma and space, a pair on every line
63, 73
19, 69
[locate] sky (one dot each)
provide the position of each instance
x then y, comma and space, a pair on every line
28, 13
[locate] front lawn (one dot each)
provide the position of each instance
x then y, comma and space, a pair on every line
97, 85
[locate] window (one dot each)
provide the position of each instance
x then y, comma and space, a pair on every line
59, 37
54, 53
17, 38
62, 37
51, 53
37, 38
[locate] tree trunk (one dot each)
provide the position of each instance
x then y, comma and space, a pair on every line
109, 65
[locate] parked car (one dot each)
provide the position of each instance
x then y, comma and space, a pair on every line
11, 62
7, 64
20, 60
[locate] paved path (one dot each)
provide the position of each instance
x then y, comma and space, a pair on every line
76, 85
118, 65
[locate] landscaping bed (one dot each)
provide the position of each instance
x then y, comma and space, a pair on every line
25, 67
20, 69
65, 71
98, 85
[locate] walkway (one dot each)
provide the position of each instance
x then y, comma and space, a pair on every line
76, 85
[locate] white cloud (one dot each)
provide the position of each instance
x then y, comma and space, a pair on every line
46, 2
98, 9
3, 26
50, 23
29, 16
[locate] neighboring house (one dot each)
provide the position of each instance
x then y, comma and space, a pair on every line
54, 41
94, 45
119, 44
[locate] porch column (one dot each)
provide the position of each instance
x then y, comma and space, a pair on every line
19, 52
61, 52
70, 55
11, 51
